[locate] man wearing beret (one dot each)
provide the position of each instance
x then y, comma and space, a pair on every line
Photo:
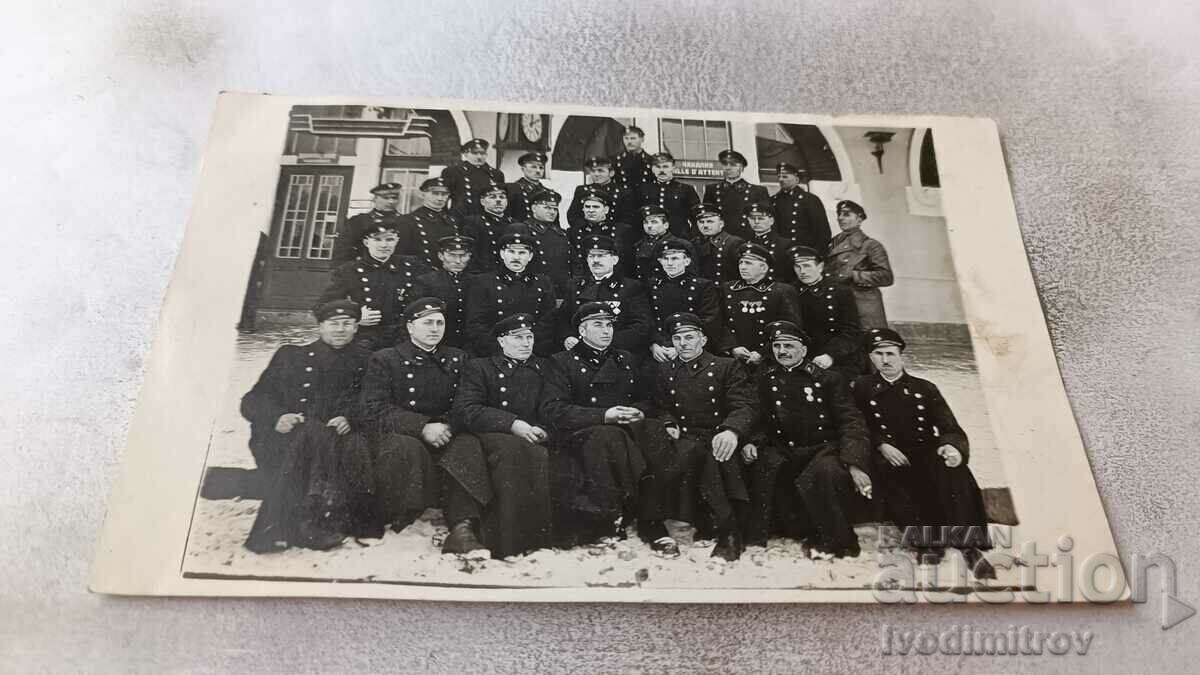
625, 297
421, 229
555, 253
716, 249
486, 226
512, 288
465, 179
621, 201
449, 283
348, 244
655, 230
406, 396
379, 280
676, 290
632, 165
921, 465
673, 197
752, 302
860, 261
761, 220
828, 310
598, 220
603, 439
809, 456
708, 406
304, 435
498, 402
733, 194
521, 192
799, 214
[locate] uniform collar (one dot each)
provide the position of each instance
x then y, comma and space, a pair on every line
508, 276
593, 356
762, 286
699, 363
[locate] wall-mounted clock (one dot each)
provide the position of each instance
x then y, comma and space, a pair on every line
531, 127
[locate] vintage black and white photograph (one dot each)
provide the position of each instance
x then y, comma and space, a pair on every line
509, 349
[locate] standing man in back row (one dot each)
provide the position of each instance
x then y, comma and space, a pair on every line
467, 178
733, 195
632, 165
799, 214
348, 244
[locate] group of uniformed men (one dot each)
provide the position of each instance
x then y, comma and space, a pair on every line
550, 384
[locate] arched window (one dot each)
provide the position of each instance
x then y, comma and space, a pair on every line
801, 144
582, 137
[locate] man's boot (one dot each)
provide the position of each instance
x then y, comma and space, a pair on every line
729, 544
462, 538
979, 565
654, 533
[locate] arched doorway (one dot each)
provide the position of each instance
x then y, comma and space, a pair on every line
582, 137
800, 144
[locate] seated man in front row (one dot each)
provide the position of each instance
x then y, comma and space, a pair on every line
708, 405
303, 414
406, 396
603, 439
922, 465
498, 402
810, 455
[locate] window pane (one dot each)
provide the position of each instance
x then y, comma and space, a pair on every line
325, 217
694, 150
671, 131
295, 212
693, 130
409, 147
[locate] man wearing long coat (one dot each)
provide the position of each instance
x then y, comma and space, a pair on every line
860, 262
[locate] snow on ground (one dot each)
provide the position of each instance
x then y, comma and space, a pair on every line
413, 556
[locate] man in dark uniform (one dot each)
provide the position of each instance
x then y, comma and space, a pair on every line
623, 202
522, 191
421, 229
598, 220
450, 284
304, 435
380, 280
631, 166
675, 198
733, 194
486, 227
678, 290
809, 455
510, 289
555, 257
625, 297
641, 257
752, 302
828, 310
497, 401
348, 244
708, 406
603, 439
406, 396
799, 214
716, 249
465, 179
921, 467
762, 226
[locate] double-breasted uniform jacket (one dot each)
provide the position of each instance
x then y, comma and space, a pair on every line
716, 256
781, 260
496, 391
420, 231
502, 293
628, 299
644, 263
750, 307
686, 293
631, 169
624, 202
674, 197
830, 317
555, 255
465, 180
452, 289
860, 261
313, 379
382, 285
520, 195
807, 406
588, 382
705, 395
485, 228
732, 197
909, 414
406, 387
800, 216
348, 243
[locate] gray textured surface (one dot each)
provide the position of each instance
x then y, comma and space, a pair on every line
106, 111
